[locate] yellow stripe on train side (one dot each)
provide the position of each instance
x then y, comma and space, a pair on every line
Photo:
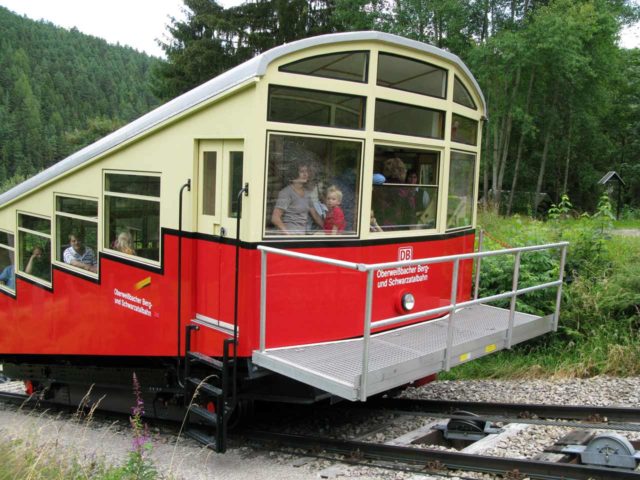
142, 283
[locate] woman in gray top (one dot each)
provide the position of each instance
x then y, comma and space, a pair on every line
294, 205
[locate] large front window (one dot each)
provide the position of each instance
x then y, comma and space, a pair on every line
405, 189
312, 186
132, 214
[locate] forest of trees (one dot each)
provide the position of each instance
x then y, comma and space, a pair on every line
563, 97
61, 90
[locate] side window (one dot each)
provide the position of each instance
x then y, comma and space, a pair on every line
312, 186
236, 160
464, 130
7, 262
132, 214
34, 246
341, 66
77, 233
209, 169
461, 95
461, 183
405, 189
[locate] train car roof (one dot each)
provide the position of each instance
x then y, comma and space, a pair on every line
256, 67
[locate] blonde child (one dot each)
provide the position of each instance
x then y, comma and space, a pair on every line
334, 222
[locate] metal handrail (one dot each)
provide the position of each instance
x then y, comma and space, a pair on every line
450, 309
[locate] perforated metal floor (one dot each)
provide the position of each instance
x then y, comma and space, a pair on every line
402, 355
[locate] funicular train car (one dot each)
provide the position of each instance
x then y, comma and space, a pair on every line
265, 232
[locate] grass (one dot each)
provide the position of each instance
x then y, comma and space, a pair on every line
600, 318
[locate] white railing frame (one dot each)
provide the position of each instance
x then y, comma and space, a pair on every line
450, 309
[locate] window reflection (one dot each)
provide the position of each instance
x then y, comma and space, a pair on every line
411, 75
406, 119
312, 186
461, 183
405, 190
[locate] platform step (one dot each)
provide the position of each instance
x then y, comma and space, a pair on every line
205, 387
205, 360
210, 417
201, 437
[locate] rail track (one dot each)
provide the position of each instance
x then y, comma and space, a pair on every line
423, 459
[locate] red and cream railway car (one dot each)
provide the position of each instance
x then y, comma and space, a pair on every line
348, 156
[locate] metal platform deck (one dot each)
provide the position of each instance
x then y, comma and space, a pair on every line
402, 355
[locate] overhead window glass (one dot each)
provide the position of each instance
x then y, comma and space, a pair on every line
461, 95
464, 130
34, 246
405, 190
7, 262
461, 182
132, 214
236, 159
350, 66
77, 233
411, 75
313, 107
313, 186
406, 119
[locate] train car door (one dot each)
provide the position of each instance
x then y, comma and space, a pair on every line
220, 165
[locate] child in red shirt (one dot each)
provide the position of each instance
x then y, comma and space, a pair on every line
334, 222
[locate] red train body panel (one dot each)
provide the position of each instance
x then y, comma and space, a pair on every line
132, 311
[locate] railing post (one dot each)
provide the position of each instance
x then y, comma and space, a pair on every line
366, 336
514, 297
556, 314
454, 299
263, 299
476, 285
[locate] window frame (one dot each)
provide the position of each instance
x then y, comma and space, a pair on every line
363, 116
19, 229
105, 218
453, 95
359, 188
349, 52
56, 240
3, 287
445, 70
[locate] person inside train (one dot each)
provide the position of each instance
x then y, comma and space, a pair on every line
38, 265
334, 222
392, 201
294, 203
79, 255
7, 276
373, 223
124, 243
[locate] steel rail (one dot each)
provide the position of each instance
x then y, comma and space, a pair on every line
524, 410
441, 459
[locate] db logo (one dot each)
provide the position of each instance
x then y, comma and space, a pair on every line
405, 253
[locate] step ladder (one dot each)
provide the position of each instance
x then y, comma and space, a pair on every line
209, 397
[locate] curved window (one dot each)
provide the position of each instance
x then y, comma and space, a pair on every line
132, 214
312, 186
77, 233
461, 95
313, 107
462, 172
405, 190
392, 117
411, 75
7, 262
350, 66
34, 241
464, 130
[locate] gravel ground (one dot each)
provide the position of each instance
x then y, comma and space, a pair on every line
183, 459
